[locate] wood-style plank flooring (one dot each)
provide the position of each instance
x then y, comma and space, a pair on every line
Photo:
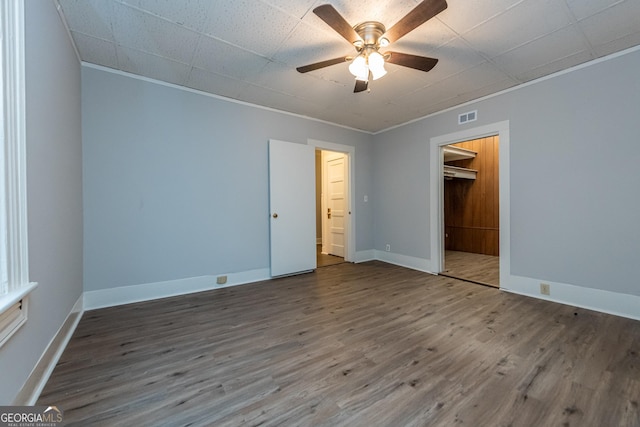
484, 269
350, 345
323, 260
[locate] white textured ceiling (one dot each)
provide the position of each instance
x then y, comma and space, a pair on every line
249, 49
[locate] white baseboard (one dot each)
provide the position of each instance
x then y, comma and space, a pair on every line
364, 256
30, 391
615, 303
150, 291
618, 304
414, 263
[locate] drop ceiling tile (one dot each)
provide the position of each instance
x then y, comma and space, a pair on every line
277, 100
468, 85
421, 99
453, 58
613, 23
464, 15
298, 8
349, 118
439, 106
425, 39
361, 102
366, 102
91, 17
322, 99
255, 46
338, 74
522, 23
483, 75
618, 44
214, 83
254, 26
398, 81
152, 66
96, 51
551, 49
324, 92
306, 45
584, 8
479, 92
284, 78
221, 58
189, 13
391, 114
555, 66
384, 11
368, 123
147, 33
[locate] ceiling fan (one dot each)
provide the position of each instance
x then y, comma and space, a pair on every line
369, 36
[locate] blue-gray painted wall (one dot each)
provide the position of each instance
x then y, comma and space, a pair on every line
54, 192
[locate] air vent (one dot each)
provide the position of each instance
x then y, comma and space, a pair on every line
471, 116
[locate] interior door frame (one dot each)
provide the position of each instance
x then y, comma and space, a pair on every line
350, 220
436, 192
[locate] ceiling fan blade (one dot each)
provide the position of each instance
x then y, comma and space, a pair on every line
421, 63
322, 64
330, 15
361, 86
418, 16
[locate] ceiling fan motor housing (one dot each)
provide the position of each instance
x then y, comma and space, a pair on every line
370, 32
369, 36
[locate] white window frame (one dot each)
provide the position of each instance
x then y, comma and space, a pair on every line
14, 266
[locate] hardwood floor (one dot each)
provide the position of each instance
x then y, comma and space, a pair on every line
484, 269
323, 260
350, 345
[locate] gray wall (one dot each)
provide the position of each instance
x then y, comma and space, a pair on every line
574, 178
54, 185
176, 182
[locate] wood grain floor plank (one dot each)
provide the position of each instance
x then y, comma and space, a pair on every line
367, 344
473, 266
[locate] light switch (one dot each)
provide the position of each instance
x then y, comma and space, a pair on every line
366, 198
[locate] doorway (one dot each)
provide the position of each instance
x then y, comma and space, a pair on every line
331, 206
436, 194
293, 213
471, 217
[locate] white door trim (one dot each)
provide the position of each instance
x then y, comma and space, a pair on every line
350, 222
436, 191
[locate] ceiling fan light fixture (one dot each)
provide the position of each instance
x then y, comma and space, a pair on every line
359, 68
369, 37
376, 65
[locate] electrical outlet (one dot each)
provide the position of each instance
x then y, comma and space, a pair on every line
387, 248
221, 280
545, 289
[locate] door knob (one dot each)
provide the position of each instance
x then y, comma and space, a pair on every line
275, 215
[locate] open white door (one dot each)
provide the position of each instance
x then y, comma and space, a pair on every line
292, 205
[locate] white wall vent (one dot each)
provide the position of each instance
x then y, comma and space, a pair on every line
470, 116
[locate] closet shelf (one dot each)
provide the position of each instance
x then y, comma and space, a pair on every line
452, 153
451, 172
